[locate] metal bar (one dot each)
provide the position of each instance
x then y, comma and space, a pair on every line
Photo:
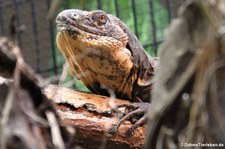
1, 20
65, 4
36, 35
117, 8
99, 6
151, 44
82, 2
169, 10
135, 18
51, 32
49, 69
153, 26
18, 37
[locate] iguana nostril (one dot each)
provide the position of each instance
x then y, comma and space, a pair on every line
61, 17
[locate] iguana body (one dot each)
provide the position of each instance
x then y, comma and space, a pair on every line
106, 56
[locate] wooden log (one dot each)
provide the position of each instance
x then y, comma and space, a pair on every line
91, 115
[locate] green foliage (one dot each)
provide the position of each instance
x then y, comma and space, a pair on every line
80, 86
143, 18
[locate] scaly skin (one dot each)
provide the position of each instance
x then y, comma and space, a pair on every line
108, 58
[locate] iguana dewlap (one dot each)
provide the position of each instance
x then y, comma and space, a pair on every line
106, 56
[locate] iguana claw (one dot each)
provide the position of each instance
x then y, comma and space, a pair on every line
134, 109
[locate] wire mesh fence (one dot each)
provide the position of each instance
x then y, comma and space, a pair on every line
146, 18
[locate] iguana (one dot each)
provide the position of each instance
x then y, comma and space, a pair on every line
108, 58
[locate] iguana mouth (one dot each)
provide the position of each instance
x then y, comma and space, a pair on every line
66, 25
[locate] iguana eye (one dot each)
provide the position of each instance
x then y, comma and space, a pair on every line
102, 18
99, 17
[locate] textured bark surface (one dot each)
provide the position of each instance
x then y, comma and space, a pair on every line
188, 96
91, 115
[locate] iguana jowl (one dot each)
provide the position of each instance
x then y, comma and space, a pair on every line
108, 58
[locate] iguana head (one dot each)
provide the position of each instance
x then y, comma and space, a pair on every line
93, 25
94, 44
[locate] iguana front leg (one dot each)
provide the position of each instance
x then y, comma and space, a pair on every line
141, 90
137, 109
